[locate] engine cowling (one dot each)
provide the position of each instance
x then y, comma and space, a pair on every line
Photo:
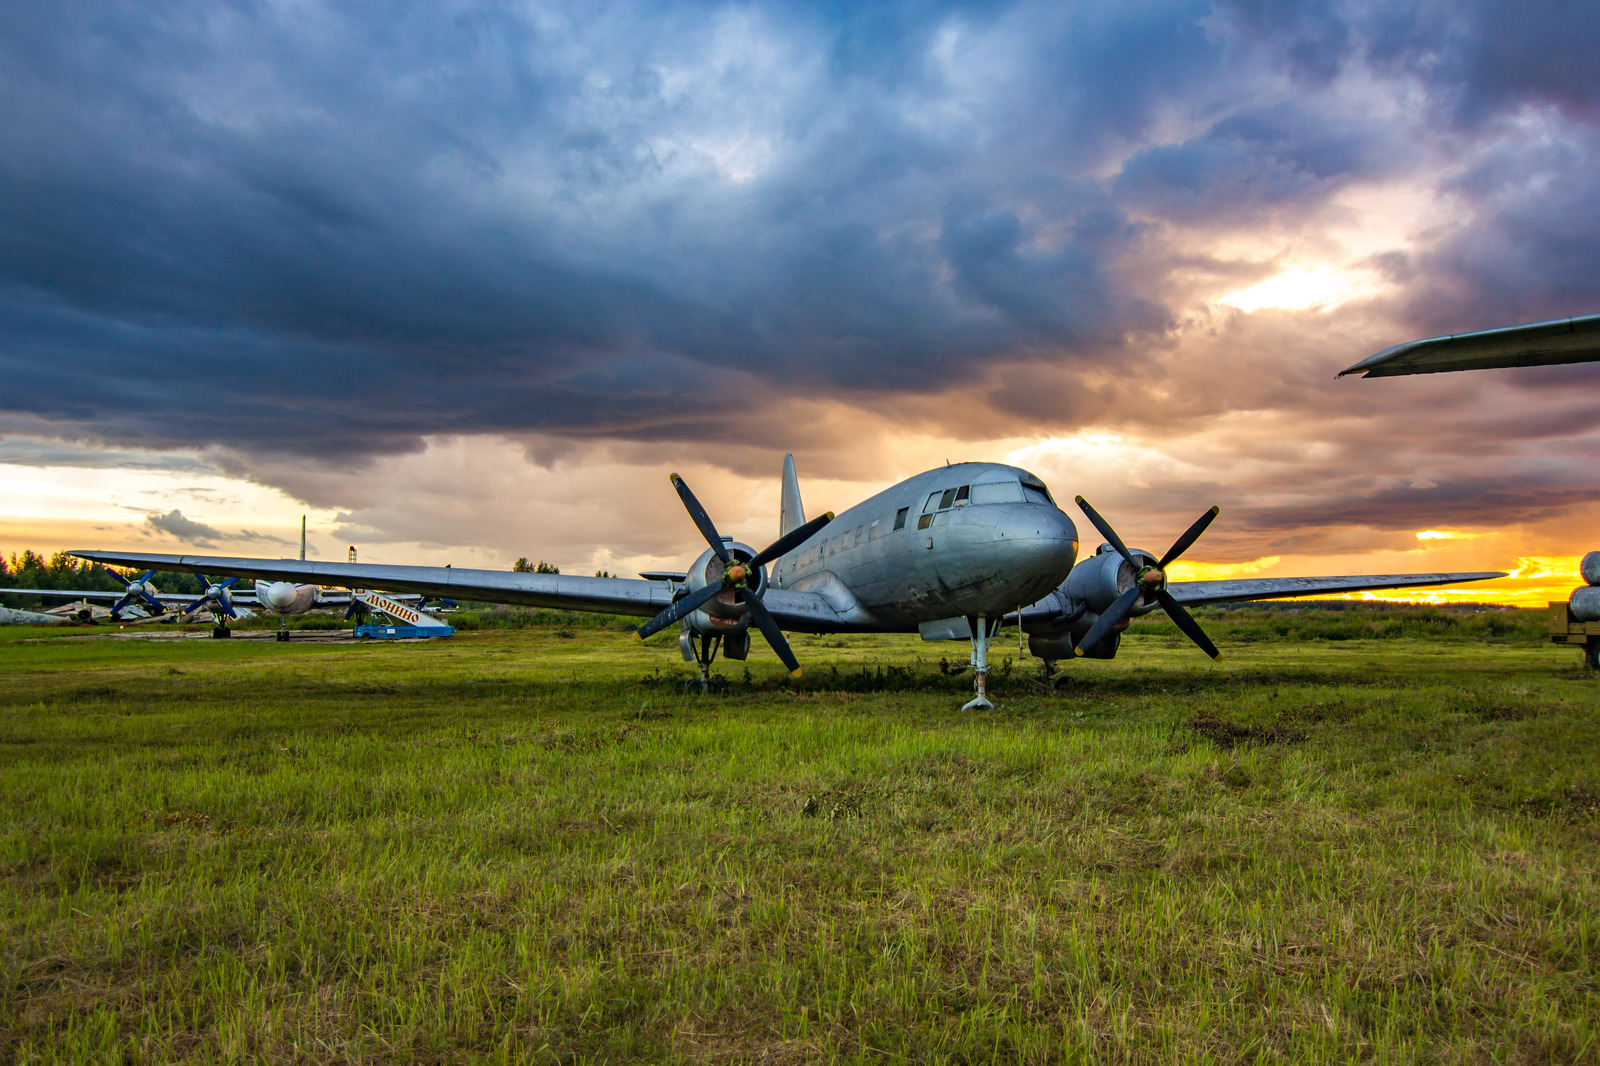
1095, 584
723, 613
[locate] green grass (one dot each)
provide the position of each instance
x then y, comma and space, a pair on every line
529, 845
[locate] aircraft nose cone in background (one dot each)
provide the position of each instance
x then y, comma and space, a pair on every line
280, 594
1040, 545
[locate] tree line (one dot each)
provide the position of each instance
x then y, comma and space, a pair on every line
60, 571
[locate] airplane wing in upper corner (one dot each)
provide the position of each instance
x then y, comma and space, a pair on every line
1239, 590
1560, 340
633, 597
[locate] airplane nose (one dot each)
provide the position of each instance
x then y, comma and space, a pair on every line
1041, 541
280, 594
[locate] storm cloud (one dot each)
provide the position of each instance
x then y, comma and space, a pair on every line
323, 234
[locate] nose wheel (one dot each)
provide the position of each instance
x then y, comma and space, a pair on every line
983, 634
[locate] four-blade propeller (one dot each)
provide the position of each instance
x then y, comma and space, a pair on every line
138, 590
1148, 580
740, 576
213, 598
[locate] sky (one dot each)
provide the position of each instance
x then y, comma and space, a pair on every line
463, 282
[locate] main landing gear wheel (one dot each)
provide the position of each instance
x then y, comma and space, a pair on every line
221, 632
705, 653
1591, 654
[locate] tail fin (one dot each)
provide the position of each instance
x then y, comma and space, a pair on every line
793, 514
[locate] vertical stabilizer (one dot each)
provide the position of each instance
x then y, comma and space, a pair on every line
793, 515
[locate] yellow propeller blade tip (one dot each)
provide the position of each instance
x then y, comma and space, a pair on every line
1217, 658
674, 478
830, 515
638, 636
1080, 499
1078, 652
795, 673
1215, 511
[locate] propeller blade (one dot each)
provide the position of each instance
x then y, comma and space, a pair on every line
1107, 532
791, 540
156, 606
195, 606
142, 578
116, 608
1182, 544
228, 584
769, 629
701, 519
1106, 622
1185, 621
688, 605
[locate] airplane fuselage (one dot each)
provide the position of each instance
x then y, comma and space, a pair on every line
964, 540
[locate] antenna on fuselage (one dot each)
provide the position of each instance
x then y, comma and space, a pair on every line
302, 538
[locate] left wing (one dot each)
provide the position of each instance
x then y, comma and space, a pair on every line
606, 595
1238, 590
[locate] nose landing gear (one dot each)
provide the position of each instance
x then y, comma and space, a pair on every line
982, 636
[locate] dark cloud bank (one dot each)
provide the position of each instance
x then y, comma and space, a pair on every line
323, 234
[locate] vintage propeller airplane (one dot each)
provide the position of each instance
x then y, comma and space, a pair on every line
952, 553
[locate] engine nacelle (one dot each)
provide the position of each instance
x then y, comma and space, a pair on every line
1095, 584
723, 615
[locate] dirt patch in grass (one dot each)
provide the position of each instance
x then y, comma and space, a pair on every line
1229, 735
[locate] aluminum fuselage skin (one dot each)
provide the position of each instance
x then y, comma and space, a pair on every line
964, 559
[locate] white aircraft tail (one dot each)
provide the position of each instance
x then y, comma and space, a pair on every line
793, 514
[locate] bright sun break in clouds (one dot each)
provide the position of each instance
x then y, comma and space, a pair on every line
1302, 288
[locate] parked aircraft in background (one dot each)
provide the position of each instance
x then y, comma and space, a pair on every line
282, 598
11, 617
1560, 340
950, 553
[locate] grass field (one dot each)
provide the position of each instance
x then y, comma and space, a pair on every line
530, 845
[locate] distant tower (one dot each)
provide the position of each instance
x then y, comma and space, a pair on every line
352, 553
302, 538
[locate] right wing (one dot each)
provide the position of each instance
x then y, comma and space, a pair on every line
606, 595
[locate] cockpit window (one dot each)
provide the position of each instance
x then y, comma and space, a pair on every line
962, 493
933, 503
1032, 486
947, 499
997, 492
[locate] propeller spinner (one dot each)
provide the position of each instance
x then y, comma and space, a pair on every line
1148, 581
739, 575
215, 598
137, 589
